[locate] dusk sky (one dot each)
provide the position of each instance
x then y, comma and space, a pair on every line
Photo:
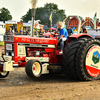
84, 8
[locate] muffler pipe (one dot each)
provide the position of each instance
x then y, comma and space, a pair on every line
33, 19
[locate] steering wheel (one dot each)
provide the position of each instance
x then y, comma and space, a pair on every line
55, 34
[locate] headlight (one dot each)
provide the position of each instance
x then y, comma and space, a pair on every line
7, 53
8, 46
12, 53
9, 38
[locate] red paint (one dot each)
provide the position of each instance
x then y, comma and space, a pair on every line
16, 58
15, 49
35, 40
79, 35
74, 22
92, 71
48, 34
49, 49
33, 68
19, 23
45, 55
23, 64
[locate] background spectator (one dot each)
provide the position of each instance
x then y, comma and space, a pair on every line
10, 31
84, 30
21, 31
16, 32
41, 32
13, 31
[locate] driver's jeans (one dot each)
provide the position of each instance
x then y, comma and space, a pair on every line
62, 42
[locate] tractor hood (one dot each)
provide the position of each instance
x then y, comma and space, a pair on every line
28, 39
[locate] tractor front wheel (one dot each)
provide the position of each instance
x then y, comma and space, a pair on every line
33, 68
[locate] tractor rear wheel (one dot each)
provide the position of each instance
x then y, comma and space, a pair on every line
69, 57
4, 74
88, 60
33, 68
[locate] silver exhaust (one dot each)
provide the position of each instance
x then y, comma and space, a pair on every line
33, 19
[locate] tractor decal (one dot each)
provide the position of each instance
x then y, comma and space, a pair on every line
96, 57
93, 61
35, 40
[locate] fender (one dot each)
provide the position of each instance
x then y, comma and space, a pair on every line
76, 36
47, 34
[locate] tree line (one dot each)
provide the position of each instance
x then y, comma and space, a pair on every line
42, 13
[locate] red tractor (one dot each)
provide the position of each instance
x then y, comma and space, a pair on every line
40, 55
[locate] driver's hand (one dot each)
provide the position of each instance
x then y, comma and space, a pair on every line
54, 32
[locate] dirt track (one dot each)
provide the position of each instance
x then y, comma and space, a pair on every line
17, 86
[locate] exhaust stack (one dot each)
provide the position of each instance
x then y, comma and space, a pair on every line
33, 3
33, 19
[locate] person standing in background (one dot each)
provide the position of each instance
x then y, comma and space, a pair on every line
84, 30
24, 31
10, 31
41, 32
13, 31
16, 31
21, 31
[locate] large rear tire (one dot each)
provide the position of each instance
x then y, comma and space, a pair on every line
88, 60
33, 69
69, 57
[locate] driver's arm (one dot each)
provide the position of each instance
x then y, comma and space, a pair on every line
56, 30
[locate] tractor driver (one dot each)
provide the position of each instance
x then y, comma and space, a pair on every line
63, 35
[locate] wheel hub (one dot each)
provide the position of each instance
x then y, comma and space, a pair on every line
36, 68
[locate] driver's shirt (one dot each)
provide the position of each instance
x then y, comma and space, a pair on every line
63, 32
